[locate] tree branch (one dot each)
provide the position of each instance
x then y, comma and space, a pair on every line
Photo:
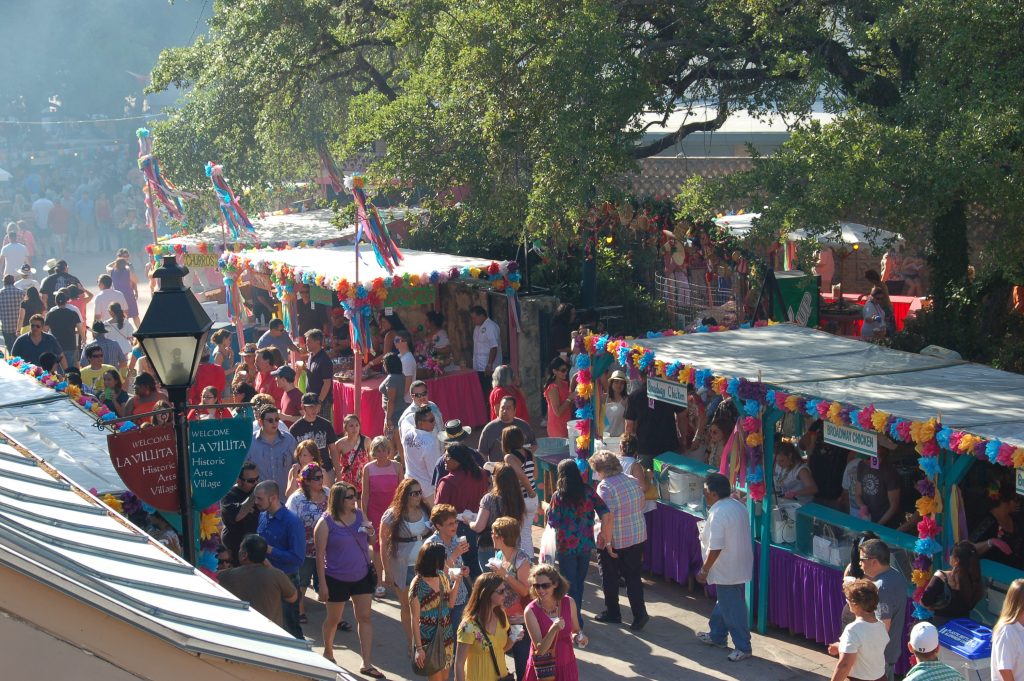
663, 143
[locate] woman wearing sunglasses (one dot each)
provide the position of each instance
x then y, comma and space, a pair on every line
403, 529
309, 503
343, 566
483, 634
552, 623
558, 398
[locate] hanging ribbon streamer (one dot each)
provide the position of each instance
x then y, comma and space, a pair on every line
372, 227
158, 187
359, 313
329, 169
234, 214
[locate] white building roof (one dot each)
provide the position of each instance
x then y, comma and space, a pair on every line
45, 422
54, 532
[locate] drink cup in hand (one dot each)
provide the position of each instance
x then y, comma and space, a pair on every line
454, 572
516, 632
463, 540
556, 622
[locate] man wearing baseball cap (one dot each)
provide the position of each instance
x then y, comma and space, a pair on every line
924, 645
291, 397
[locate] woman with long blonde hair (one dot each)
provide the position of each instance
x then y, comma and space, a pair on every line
483, 634
1008, 636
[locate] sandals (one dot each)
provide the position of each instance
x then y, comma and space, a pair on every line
372, 672
345, 626
380, 592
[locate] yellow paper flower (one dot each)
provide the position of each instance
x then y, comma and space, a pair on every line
833, 413
928, 506
967, 443
720, 385
754, 439
209, 525
878, 420
922, 431
1018, 457
920, 578
792, 402
585, 390
659, 368
74, 392
582, 441
113, 502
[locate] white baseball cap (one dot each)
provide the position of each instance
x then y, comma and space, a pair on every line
924, 637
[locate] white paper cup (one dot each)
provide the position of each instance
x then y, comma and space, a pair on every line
463, 540
454, 572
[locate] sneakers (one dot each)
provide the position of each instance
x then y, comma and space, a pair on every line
705, 638
739, 655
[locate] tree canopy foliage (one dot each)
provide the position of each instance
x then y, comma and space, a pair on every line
533, 106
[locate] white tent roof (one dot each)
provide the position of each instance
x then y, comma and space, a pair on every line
849, 232
57, 534
972, 397
737, 122
313, 225
336, 263
47, 424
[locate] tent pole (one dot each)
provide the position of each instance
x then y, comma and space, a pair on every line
357, 355
768, 421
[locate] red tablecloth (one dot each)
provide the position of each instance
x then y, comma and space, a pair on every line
901, 306
458, 396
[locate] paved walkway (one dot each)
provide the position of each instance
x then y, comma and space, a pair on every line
665, 649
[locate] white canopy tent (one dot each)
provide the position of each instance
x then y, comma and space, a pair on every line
5, 176
336, 263
971, 397
850, 233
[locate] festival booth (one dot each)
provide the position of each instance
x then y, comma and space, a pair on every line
360, 286
949, 416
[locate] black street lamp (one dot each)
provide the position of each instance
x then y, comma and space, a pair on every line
172, 335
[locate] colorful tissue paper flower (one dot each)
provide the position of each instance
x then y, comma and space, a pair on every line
833, 412
756, 490
209, 525
113, 502
793, 403
954, 441
992, 450
929, 448
921, 613
719, 385
751, 408
754, 439
781, 400
930, 465
920, 577
879, 419
928, 528
732, 386
928, 506
130, 503
1005, 454
927, 547
751, 424
921, 562
1018, 457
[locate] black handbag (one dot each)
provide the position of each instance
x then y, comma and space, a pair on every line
494, 660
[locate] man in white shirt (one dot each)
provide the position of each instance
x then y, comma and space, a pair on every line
728, 564
14, 254
26, 282
422, 451
107, 295
486, 348
41, 208
420, 398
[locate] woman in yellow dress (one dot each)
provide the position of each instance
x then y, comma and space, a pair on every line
483, 635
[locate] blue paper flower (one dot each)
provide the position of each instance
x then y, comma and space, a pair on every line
992, 450
751, 408
733, 387
702, 329
927, 547
943, 437
921, 613
581, 463
602, 344
582, 361
769, 398
126, 426
109, 416
930, 465
811, 408
208, 560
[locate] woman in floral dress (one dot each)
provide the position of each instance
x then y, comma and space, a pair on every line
431, 599
309, 503
573, 510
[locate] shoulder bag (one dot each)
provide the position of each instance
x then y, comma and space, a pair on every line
544, 663
494, 660
435, 657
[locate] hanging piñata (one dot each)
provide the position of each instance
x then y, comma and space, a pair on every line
233, 212
372, 227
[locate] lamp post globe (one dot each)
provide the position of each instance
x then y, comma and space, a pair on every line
172, 335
